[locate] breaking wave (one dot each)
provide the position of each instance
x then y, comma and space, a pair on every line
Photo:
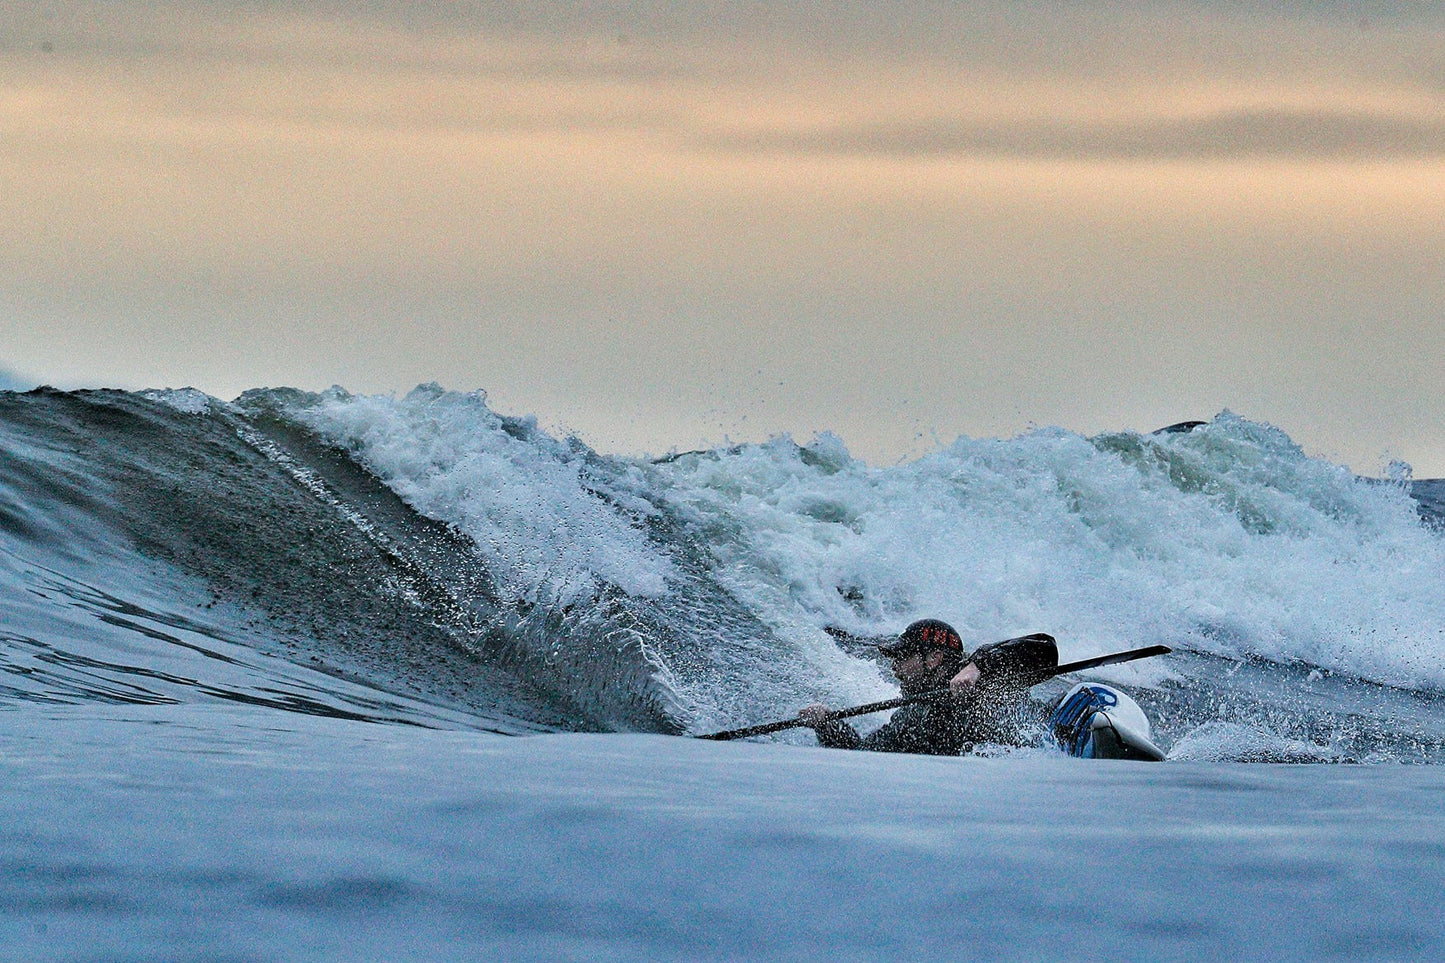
425, 559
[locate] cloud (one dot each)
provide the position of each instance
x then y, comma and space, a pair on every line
965, 216
1235, 134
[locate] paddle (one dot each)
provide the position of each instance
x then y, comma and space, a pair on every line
767, 727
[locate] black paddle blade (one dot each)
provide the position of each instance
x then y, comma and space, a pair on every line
1148, 651
862, 646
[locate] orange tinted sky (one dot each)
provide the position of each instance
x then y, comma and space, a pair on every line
661, 225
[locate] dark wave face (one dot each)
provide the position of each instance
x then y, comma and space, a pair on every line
290, 575
426, 561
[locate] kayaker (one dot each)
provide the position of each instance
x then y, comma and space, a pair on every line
985, 703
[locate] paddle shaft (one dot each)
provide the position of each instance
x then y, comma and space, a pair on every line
779, 726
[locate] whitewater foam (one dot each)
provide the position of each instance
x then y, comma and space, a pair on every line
189, 400
521, 495
429, 541
1226, 539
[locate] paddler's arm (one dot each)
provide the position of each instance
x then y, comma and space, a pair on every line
1010, 665
832, 733
907, 731
966, 682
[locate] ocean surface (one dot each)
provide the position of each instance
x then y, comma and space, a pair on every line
335, 677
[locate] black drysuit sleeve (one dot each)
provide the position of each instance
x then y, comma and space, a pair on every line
935, 729
1016, 663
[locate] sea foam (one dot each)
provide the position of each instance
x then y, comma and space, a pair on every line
1227, 539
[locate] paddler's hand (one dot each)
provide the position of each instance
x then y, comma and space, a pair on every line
814, 715
965, 684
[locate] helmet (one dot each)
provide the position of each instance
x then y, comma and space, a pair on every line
923, 636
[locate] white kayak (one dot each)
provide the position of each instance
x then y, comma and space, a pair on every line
1097, 721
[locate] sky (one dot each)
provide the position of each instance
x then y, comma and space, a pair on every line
663, 226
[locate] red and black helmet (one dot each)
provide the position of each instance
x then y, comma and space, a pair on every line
923, 636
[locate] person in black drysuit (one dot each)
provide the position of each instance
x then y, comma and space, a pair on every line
985, 701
